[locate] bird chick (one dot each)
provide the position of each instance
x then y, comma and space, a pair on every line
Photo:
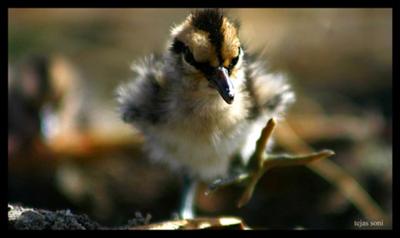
205, 100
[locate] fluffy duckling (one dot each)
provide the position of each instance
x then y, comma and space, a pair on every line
204, 101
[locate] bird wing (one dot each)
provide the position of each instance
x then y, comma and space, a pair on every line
269, 92
139, 99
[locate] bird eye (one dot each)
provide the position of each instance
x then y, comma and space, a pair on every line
234, 61
188, 56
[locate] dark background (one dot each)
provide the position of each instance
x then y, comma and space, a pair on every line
67, 148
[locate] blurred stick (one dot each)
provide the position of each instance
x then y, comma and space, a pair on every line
334, 174
89, 144
314, 127
199, 223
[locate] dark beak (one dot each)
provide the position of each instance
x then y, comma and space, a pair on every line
221, 81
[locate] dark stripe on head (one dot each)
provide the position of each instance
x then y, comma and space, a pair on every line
210, 20
178, 47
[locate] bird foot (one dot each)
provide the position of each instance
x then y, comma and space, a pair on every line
224, 182
260, 162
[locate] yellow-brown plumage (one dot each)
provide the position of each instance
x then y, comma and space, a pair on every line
204, 101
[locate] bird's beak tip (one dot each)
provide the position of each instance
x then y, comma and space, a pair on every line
229, 99
224, 85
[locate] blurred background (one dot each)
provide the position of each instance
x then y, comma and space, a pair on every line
68, 149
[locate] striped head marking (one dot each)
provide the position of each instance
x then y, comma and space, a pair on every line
209, 42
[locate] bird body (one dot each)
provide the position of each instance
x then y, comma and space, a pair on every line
205, 100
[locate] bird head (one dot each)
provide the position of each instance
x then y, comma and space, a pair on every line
207, 48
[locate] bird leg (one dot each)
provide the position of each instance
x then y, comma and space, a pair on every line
260, 162
188, 197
